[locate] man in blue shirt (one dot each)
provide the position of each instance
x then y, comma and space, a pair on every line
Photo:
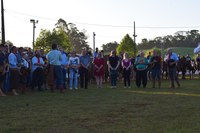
84, 65
14, 70
172, 60
64, 66
54, 58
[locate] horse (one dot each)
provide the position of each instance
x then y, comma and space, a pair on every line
181, 67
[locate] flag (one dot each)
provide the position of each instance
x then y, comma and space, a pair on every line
197, 49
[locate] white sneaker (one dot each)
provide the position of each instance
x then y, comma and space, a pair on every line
124, 86
70, 88
76, 88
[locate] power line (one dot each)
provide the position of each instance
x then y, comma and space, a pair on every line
29, 15
11, 14
112, 26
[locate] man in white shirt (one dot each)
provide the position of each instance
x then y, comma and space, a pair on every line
37, 71
172, 60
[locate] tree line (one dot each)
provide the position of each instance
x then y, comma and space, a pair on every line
179, 39
72, 39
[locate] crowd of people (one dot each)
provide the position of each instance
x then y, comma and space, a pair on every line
21, 69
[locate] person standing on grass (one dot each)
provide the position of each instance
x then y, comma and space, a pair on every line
113, 64
54, 58
2, 68
37, 71
172, 60
141, 64
64, 66
149, 56
132, 65
74, 64
14, 70
99, 69
126, 65
83, 70
24, 71
155, 65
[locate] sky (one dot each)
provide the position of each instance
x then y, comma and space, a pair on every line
111, 20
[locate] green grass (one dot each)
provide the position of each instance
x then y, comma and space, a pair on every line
105, 110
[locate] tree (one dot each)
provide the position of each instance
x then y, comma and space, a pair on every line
77, 38
46, 38
127, 45
109, 47
179, 39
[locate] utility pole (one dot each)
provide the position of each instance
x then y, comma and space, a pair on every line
94, 41
34, 22
2, 24
134, 37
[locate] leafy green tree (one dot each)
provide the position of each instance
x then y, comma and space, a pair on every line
77, 38
46, 38
65, 34
127, 45
107, 48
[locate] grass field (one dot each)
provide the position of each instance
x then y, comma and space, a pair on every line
105, 110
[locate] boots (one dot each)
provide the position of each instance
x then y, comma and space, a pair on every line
178, 84
14, 92
23, 89
153, 82
172, 84
159, 84
61, 89
1, 93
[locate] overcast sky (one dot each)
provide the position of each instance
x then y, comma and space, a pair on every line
109, 19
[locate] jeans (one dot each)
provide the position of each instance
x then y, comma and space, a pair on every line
113, 77
156, 73
64, 71
73, 76
58, 74
84, 77
126, 75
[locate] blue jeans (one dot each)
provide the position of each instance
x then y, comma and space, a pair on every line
113, 77
58, 75
155, 73
73, 76
64, 71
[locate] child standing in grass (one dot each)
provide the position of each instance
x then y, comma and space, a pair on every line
73, 70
